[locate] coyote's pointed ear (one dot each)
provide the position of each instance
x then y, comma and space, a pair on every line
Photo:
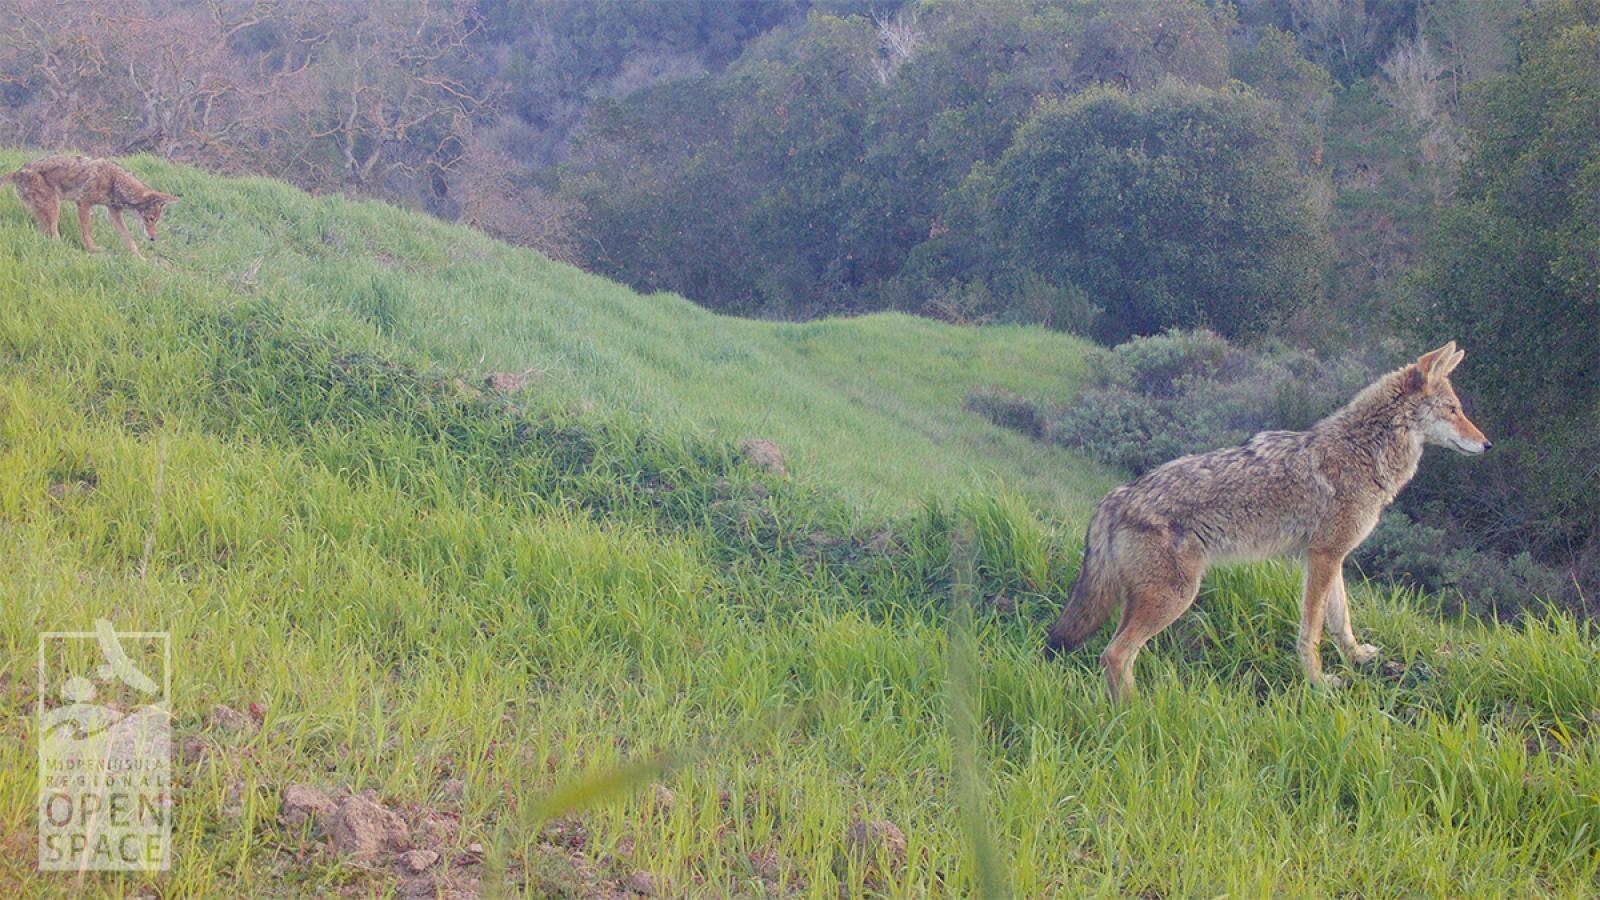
1443, 368
1433, 364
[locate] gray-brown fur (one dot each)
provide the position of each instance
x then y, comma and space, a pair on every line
1316, 493
44, 183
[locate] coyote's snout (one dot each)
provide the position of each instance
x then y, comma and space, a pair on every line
1316, 493
44, 183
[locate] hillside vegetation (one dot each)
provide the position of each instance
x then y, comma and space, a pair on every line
273, 443
872, 404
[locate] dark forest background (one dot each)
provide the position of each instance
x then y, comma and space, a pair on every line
1253, 206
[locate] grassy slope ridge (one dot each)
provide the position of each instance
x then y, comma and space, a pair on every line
872, 405
415, 581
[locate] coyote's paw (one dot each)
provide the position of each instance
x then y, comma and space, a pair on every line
1331, 683
1362, 654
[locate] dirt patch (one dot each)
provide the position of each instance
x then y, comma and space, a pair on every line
765, 454
366, 829
877, 844
230, 720
301, 804
412, 842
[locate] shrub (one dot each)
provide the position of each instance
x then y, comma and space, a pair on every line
1120, 427
1466, 579
1173, 207
1162, 396
1006, 409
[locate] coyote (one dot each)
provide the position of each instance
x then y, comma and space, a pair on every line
1316, 493
91, 182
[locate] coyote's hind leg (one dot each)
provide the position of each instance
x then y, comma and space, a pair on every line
1163, 591
84, 207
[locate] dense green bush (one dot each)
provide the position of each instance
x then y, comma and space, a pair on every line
1514, 275
1166, 395
1179, 206
1007, 409
1463, 578
831, 169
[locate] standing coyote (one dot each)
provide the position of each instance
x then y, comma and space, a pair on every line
91, 182
1316, 493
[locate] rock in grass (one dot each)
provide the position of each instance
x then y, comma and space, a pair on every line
418, 861
302, 803
192, 750
366, 829
866, 839
767, 863
233, 800
642, 883
231, 720
664, 797
506, 382
765, 454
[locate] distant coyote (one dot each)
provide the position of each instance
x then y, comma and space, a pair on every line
91, 182
1316, 493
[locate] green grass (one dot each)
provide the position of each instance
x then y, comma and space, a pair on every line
870, 405
559, 601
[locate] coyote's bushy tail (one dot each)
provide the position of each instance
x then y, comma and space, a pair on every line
1094, 594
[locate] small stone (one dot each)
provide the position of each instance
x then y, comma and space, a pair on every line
418, 887
768, 864
233, 801
431, 827
231, 720
192, 750
642, 883
664, 797
418, 861
453, 789
503, 382
302, 803
866, 839
364, 828
765, 454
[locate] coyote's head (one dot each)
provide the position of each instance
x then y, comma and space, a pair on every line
1439, 416
150, 210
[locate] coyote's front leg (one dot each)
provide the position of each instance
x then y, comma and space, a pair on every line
1339, 622
116, 220
1322, 570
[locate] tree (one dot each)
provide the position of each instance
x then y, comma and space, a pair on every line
1514, 275
328, 94
1271, 64
1179, 206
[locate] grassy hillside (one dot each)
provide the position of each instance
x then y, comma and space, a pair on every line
405, 580
871, 405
